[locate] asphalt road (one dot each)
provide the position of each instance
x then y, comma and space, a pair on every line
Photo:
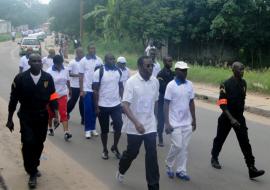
234, 174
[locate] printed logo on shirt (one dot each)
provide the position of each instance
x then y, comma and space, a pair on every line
46, 83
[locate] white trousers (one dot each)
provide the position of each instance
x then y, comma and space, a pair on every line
178, 152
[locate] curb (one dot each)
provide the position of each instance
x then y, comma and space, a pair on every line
249, 109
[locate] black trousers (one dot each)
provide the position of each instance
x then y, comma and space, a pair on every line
73, 100
160, 126
223, 129
104, 118
34, 128
151, 163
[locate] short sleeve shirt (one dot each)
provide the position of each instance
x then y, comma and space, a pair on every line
24, 63
179, 97
73, 67
125, 75
47, 62
87, 67
60, 81
142, 96
109, 87
156, 69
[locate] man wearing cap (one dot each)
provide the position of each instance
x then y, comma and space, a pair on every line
180, 120
47, 62
232, 102
153, 54
122, 65
164, 77
33, 89
23, 65
86, 71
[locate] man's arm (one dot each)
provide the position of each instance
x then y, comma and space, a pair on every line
193, 114
121, 89
95, 87
81, 75
139, 127
168, 127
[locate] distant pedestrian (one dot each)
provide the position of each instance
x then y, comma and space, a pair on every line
122, 65
232, 103
108, 91
86, 71
147, 49
180, 120
33, 89
61, 80
164, 77
47, 61
23, 65
153, 55
140, 105
73, 68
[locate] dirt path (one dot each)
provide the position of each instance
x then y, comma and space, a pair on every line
58, 170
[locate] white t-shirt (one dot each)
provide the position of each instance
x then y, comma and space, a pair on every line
47, 62
179, 96
87, 67
60, 81
156, 69
142, 96
73, 68
36, 77
109, 87
24, 63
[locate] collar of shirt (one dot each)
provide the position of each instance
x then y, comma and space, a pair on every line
140, 77
110, 67
179, 82
77, 59
55, 69
88, 57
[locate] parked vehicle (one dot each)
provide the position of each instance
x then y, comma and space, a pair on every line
29, 42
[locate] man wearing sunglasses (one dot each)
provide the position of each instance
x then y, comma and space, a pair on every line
33, 89
140, 105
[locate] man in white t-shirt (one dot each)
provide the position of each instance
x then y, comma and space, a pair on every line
86, 71
140, 105
108, 91
23, 65
180, 120
122, 65
47, 62
156, 69
73, 68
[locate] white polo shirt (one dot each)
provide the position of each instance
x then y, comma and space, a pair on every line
109, 87
60, 80
179, 96
24, 63
156, 69
73, 67
87, 67
47, 62
142, 96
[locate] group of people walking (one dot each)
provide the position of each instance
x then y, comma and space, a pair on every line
141, 106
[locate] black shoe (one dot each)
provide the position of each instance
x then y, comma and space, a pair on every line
82, 122
160, 144
38, 174
215, 163
67, 136
253, 172
105, 155
51, 132
32, 183
116, 152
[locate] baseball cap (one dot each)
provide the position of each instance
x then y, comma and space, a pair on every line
121, 60
181, 65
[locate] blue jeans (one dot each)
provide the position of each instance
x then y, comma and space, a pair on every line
89, 112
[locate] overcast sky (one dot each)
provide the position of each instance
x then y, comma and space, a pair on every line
45, 1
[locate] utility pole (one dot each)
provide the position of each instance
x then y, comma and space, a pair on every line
81, 19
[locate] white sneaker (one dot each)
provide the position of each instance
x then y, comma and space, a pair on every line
87, 134
94, 133
119, 177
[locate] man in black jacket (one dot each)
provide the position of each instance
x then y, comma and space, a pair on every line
33, 89
232, 102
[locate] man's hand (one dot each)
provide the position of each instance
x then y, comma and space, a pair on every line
97, 110
194, 126
82, 94
168, 128
10, 125
235, 123
139, 127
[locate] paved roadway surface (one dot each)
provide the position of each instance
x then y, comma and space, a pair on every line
234, 174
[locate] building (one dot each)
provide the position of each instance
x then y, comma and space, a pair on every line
5, 27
